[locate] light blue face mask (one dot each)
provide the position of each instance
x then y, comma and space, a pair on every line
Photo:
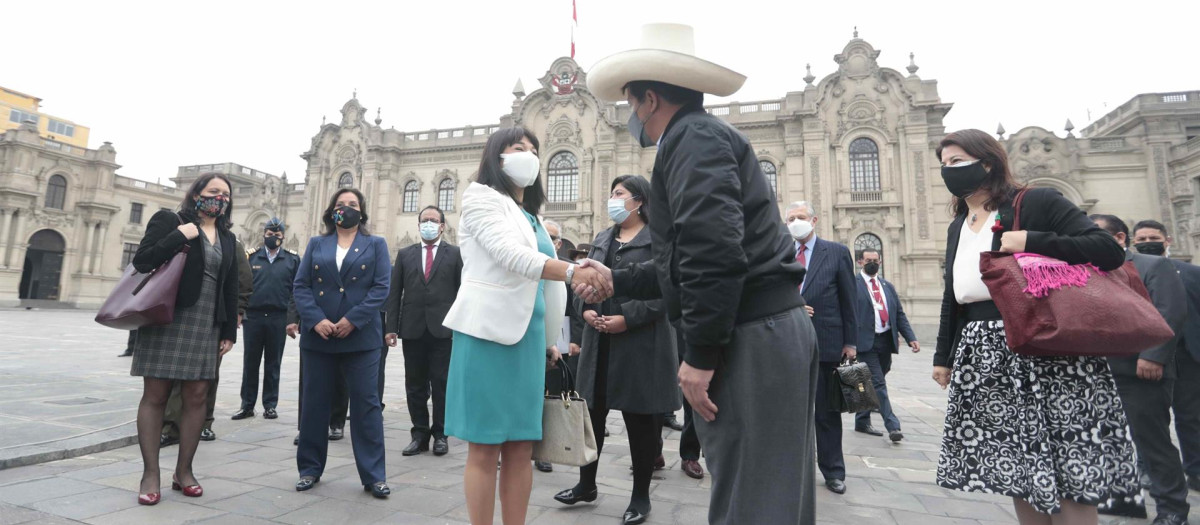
638, 130
617, 211
429, 230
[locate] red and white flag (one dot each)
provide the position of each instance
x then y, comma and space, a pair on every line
574, 24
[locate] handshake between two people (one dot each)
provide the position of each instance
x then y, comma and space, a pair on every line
592, 281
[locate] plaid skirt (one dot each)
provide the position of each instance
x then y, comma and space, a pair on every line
188, 348
1041, 429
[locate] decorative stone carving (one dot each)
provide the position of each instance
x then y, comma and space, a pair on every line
815, 174
49, 219
922, 195
565, 130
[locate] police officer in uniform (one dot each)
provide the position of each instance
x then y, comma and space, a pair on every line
266, 321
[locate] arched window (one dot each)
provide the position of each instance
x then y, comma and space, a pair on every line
411, 194
768, 169
562, 178
346, 180
446, 195
56, 192
867, 241
864, 165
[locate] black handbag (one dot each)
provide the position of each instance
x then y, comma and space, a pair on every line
851, 389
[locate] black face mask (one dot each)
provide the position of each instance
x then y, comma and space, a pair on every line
271, 242
871, 268
1151, 248
964, 180
346, 217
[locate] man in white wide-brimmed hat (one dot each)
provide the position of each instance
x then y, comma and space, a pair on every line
727, 269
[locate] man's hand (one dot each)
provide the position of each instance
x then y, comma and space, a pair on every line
552, 357
916, 347
694, 383
614, 324
325, 329
574, 350
343, 328
225, 346
293, 330
1013, 242
240, 316
810, 310
1149, 370
941, 375
391, 340
848, 352
592, 281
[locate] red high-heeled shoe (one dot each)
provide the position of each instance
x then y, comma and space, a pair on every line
149, 499
191, 491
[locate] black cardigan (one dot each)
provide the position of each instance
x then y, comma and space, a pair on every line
163, 240
1057, 228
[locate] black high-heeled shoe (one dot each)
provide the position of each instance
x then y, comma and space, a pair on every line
570, 497
633, 517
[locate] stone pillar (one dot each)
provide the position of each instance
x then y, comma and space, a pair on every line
88, 233
99, 249
5, 230
16, 252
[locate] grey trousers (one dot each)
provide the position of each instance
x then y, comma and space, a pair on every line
1148, 408
767, 379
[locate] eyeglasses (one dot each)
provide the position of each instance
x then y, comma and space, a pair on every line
555, 237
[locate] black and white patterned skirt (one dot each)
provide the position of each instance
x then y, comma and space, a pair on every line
1041, 429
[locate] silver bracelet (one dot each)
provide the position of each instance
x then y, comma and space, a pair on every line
570, 273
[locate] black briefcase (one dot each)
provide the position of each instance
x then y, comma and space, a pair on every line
850, 390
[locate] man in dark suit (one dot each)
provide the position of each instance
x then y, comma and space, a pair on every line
425, 282
881, 322
1146, 385
1150, 237
829, 288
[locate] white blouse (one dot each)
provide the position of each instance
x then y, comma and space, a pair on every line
968, 282
341, 256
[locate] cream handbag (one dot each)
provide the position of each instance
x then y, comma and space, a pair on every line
567, 434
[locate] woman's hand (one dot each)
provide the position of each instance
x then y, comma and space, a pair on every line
1013, 242
325, 328
574, 350
941, 375
592, 319
614, 324
391, 339
189, 230
343, 328
552, 357
225, 346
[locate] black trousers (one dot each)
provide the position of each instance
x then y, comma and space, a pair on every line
689, 441
829, 429
1186, 404
426, 368
1148, 409
264, 334
554, 380
340, 407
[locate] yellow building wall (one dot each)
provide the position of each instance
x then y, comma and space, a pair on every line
10, 100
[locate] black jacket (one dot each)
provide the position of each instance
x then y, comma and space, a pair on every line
722, 255
415, 306
163, 240
1057, 228
1167, 293
272, 281
1190, 274
574, 312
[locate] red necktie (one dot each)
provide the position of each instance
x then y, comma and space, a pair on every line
428, 260
801, 259
883, 313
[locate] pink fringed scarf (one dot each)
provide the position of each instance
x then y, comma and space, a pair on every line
1044, 274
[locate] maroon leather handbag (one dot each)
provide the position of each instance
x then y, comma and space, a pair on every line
1051, 308
144, 299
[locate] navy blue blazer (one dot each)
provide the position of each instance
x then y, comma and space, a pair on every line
1190, 274
355, 293
864, 308
829, 289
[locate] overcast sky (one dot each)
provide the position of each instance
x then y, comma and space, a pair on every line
248, 82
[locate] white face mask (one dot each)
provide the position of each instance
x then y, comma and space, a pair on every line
522, 167
800, 229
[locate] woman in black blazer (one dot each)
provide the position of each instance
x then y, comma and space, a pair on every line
204, 327
1050, 432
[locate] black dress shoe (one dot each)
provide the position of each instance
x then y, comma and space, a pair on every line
242, 414
869, 430
306, 482
673, 423
896, 436
167, 440
416, 447
632, 516
336, 433
1170, 518
570, 497
270, 413
440, 447
208, 435
296, 442
543, 466
126, 353
836, 486
379, 490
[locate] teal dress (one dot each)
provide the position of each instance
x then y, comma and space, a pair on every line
494, 392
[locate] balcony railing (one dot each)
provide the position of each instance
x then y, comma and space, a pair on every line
561, 206
866, 196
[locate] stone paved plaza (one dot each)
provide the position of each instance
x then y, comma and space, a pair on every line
64, 391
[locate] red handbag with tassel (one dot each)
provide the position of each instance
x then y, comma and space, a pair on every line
1052, 308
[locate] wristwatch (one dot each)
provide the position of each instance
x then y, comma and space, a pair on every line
570, 273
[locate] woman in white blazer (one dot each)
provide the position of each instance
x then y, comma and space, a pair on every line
503, 339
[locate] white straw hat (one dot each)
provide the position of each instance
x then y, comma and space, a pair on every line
667, 54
